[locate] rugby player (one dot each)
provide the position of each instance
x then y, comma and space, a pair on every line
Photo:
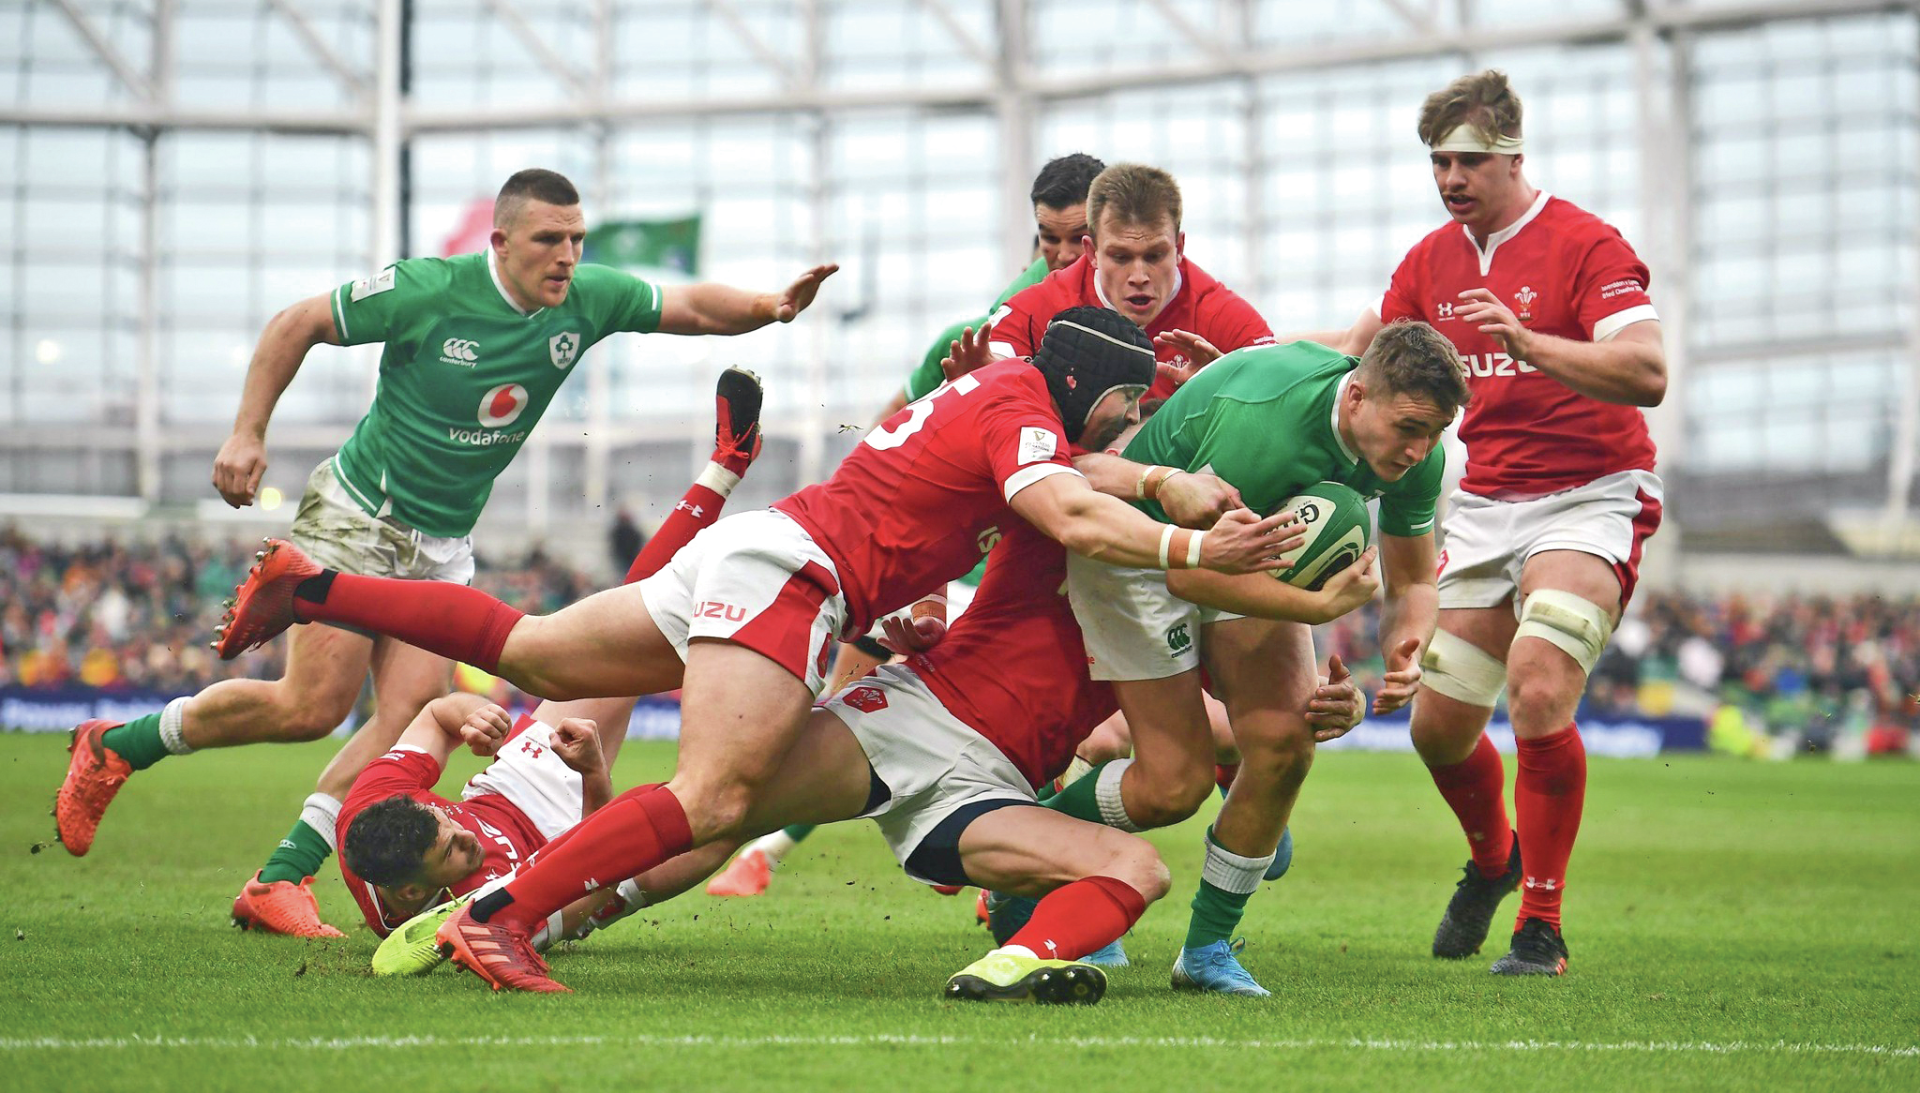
1135, 263
475, 348
1548, 306
743, 619
1270, 420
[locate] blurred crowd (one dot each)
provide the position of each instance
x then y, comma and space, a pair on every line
136, 615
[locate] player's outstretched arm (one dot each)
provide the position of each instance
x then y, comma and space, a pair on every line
1191, 499
1261, 597
723, 309
1352, 341
1106, 529
1408, 616
283, 346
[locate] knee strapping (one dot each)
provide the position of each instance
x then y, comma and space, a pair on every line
1461, 670
1578, 627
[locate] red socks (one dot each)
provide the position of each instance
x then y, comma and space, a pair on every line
1548, 797
1476, 790
441, 617
698, 509
635, 832
1080, 918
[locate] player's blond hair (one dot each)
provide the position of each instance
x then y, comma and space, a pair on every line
1413, 359
1482, 100
1136, 194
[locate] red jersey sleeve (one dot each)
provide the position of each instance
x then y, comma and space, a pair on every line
1402, 298
1611, 287
1022, 439
1235, 324
1012, 334
400, 771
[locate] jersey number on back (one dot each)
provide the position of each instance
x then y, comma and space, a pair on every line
918, 412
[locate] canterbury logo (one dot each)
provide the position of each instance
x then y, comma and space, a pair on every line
460, 349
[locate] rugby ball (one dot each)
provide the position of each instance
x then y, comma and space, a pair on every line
1338, 530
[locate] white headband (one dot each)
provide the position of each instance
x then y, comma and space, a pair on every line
1465, 138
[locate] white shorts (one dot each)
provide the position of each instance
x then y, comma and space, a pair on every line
1134, 627
933, 764
332, 529
759, 580
527, 771
1486, 543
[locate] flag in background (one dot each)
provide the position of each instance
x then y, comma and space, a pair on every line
473, 232
670, 246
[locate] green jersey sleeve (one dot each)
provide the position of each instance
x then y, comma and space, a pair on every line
383, 307
1034, 274
929, 375
617, 300
1407, 507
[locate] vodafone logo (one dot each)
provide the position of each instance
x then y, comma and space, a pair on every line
501, 405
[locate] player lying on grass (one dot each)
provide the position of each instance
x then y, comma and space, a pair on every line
744, 620
404, 849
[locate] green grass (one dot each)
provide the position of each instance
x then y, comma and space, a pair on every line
1729, 923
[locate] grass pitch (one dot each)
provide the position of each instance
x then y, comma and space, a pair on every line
1732, 925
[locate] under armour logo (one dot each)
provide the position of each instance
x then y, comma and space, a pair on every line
683, 505
1547, 885
1053, 951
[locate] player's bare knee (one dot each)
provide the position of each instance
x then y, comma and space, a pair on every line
1139, 865
1167, 801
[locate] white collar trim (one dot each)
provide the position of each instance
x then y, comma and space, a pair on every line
1339, 395
494, 272
1493, 241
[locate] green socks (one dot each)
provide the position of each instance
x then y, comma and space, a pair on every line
1226, 880
307, 846
797, 832
146, 740
1095, 797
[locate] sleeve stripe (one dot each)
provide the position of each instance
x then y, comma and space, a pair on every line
1027, 476
340, 312
1002, 349
656, 301
1620, 320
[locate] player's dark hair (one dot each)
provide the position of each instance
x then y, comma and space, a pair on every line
1064, 181
1136, 194
1413, 359
1482, 100
387, 843
532, 184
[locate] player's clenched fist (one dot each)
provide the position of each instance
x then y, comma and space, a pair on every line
485, 728
238, 467
1193, 499
576, 740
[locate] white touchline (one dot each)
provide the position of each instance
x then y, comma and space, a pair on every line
354, 1043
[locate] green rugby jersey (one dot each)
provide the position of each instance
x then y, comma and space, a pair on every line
464, 378
928, 375
1262, 418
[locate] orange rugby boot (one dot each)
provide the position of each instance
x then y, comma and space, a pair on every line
94, 774
282, 907
501, 955
262, 606
748, 875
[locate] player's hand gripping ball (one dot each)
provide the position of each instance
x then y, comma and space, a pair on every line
1338, 530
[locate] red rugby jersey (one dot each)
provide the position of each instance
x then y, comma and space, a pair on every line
506, 834
925, 494
1013, 666
1562, 271
1200, 305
